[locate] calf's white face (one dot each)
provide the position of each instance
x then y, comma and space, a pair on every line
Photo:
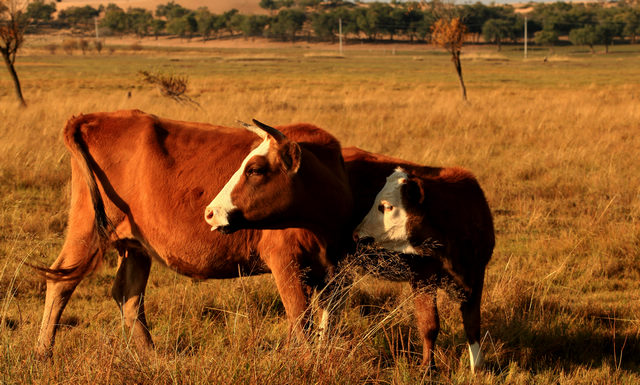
386, 222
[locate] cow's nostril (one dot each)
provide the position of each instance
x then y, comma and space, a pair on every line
356, 238
208, 213
366, 241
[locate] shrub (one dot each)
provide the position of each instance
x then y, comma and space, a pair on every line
136, 47
52, 47
84, 45
98, 45
69, 46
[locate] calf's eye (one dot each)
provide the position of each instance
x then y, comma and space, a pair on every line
384, 207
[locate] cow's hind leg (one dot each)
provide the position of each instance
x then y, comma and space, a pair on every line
77, 251
128, 291
428, 320
470, 308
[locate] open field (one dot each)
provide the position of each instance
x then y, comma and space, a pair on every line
555, 146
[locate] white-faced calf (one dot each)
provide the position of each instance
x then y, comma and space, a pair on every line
439, 223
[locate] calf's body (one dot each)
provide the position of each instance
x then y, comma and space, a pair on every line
439, 223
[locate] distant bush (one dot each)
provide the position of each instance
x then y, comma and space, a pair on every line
84, 45
52, 48
136, 47
98, 45
69, 46
172, 86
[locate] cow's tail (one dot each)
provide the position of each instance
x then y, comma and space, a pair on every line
104, 227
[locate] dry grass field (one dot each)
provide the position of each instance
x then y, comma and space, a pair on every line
555, 146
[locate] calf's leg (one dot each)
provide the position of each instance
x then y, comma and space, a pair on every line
470, 308
428, 321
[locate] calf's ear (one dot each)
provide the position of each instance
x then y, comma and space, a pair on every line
412, 191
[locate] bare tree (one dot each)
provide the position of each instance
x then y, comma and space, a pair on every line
448, 33
13, 22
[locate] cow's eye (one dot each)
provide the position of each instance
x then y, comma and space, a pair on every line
384, 207
256, 171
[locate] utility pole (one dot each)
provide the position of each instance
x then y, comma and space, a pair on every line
95, 20
340, 33
526, 35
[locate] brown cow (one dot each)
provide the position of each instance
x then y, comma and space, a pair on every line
140, 183
438, 222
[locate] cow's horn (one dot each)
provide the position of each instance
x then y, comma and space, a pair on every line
256, 130
277, 135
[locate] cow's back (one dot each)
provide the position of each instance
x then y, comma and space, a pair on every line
156, 175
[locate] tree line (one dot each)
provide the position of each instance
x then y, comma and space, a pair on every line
584, 24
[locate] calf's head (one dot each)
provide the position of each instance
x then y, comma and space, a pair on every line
263, 186
393, 220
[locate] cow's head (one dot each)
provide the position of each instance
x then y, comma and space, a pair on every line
392, 220
263, 187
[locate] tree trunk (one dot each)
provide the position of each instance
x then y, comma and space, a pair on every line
458, 65
14, 76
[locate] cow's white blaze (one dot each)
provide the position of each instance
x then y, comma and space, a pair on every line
222, 204
386, 222
475, 356
323, 328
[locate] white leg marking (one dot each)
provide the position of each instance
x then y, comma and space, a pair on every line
475, 356
222, 205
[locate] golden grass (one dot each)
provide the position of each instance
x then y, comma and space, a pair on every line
557, 161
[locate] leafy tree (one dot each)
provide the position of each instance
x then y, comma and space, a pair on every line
184, 26
171, 11
324, 25
546, 37
205, 21
253, 25
270, 5
367, 22
475, 15
631, 21
139, 21
349, 25
426, 26
497, 30
39, 11
412, 22
79, 17
226, 22
287, 23
448, 33
114, 18
157, 26
584, 36
13, 23
606, 31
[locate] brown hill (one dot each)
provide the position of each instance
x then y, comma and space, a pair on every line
215, 6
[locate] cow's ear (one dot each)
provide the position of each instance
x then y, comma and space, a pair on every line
290, 155
412, 190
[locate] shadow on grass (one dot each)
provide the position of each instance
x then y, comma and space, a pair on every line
558, 337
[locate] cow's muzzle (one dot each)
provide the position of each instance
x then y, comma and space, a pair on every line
223, 221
